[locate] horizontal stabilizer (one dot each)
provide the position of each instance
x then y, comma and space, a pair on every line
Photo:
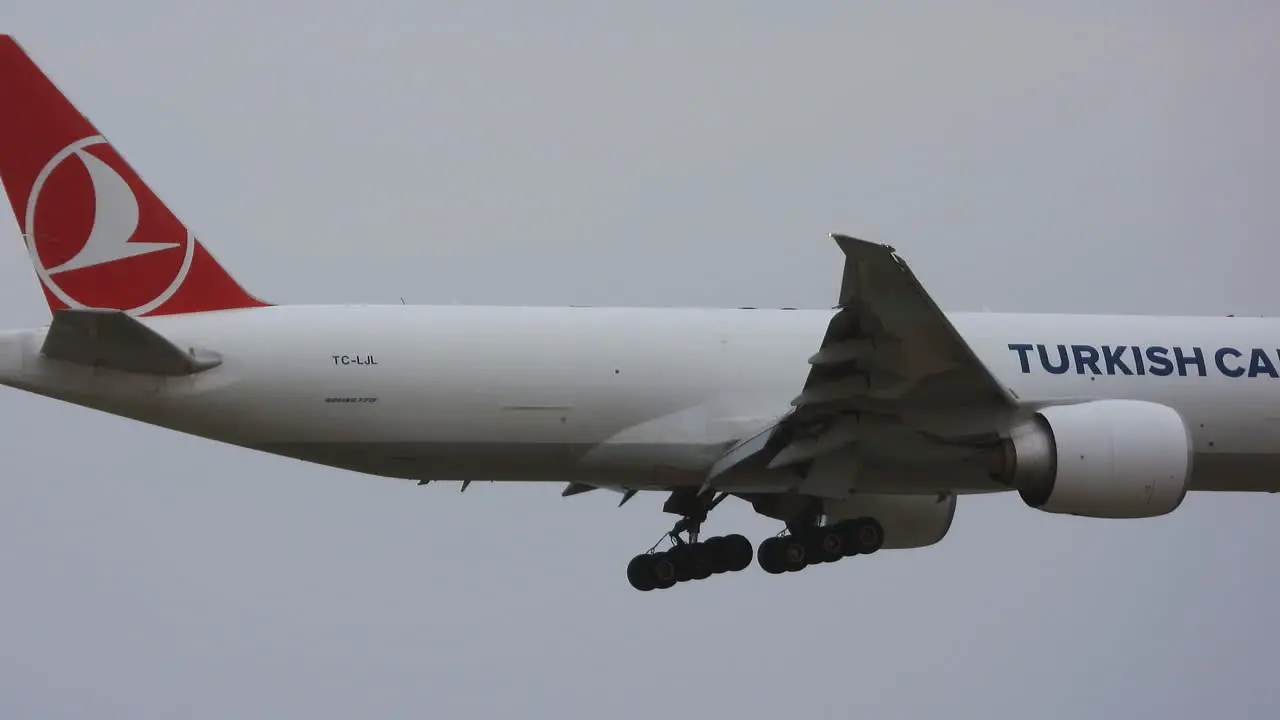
115, 340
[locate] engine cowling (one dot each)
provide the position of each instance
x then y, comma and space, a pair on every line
1106, 459
909, 521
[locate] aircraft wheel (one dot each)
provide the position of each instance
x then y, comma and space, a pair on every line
793, 553
738, 552
665, 570
830, 545
813, 549
681, 557
640, 573
769, 556
701, 561
718, 549
868, 534
848, 530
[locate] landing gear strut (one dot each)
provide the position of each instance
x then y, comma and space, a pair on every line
810, 544
689, 557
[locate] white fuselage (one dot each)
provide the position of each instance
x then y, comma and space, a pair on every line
632, 396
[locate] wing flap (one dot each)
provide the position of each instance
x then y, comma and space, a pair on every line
115, 340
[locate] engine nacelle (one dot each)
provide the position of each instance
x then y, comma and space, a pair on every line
1107, 459
909, 521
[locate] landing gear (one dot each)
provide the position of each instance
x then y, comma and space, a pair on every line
689, 558
689, 561
805, 543
862, 536
811, 545
785, 553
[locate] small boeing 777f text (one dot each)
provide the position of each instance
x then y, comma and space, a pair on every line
856, 427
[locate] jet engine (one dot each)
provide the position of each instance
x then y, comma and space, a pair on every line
1105, 459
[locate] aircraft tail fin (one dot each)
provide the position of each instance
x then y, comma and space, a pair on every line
97, 235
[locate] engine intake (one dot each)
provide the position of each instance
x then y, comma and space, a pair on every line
1107, 459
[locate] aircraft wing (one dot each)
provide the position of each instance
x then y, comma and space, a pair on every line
890, 342
890, 355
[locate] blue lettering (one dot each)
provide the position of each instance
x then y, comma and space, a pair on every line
1111, 356
1219, 359
1063, 361
1024, 355
1157, 360
1259, 364
1158, 357
1195, 358
1137, 360
1085, 356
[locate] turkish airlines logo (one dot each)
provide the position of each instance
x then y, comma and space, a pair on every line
98, 237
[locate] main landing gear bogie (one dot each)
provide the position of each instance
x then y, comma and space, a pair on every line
690, 558
689, 561
807, 546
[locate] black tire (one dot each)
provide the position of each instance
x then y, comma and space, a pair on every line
682, 557
831, 543
738, 552
848, 530
719, 549
813, 552
769, 556
701, 561
793, 553
868, 534
640, 573
664, 571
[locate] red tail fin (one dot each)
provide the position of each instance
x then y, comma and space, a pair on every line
98, 236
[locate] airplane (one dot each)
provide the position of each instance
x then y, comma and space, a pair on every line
856, 427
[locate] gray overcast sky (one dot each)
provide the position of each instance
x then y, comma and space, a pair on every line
1086, 157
